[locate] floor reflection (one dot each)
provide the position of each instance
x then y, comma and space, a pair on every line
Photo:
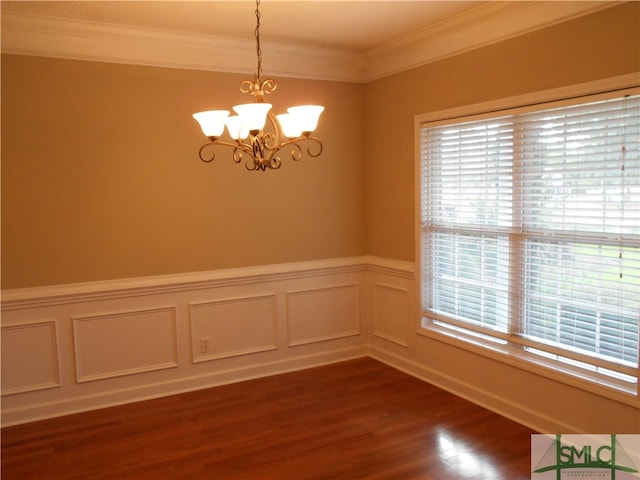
464, 461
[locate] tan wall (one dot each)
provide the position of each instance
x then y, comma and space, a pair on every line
101, 179
597, 46
602, 45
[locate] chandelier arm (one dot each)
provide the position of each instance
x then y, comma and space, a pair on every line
275, 163
319, 146
270, 142
296, 151
277, 135
262, 151
239, 150
268, 85
238, 154
247, 86
238, 147
251, 164
208, 159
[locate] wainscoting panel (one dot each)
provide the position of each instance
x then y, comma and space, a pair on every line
29, 358
321, 314
58, 341
231, 327
391, 313
124, 343
121, 341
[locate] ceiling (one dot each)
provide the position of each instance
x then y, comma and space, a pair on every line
329, 39
353, 25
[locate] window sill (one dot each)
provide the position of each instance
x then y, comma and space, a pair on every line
590, 382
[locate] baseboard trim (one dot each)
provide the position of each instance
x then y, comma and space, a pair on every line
483, 398
69, 406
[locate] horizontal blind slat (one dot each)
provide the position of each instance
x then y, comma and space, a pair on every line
557, 189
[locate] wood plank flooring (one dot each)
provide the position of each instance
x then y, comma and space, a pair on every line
353, 420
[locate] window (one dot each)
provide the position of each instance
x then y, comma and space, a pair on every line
530, 235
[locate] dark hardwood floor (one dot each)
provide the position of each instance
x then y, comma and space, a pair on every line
354, 420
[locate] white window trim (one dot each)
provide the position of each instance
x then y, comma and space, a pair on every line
507, 354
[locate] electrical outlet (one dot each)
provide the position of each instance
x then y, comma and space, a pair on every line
205, 345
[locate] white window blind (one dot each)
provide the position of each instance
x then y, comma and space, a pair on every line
531, 231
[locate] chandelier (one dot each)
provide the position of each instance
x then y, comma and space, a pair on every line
250, 138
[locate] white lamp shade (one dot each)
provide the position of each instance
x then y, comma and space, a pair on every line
290, 125
306, 116
254, 115
212, 121
236, 128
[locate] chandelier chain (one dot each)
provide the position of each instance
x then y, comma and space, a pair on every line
257, 35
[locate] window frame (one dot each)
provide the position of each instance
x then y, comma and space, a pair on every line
513, 354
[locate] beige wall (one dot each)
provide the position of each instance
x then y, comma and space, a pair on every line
101, 179
597, 46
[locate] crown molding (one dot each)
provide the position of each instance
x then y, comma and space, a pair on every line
484, 25
91, 41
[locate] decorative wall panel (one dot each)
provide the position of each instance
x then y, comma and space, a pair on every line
391, 313
125, 343
322, 314
231, 327
29, 358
